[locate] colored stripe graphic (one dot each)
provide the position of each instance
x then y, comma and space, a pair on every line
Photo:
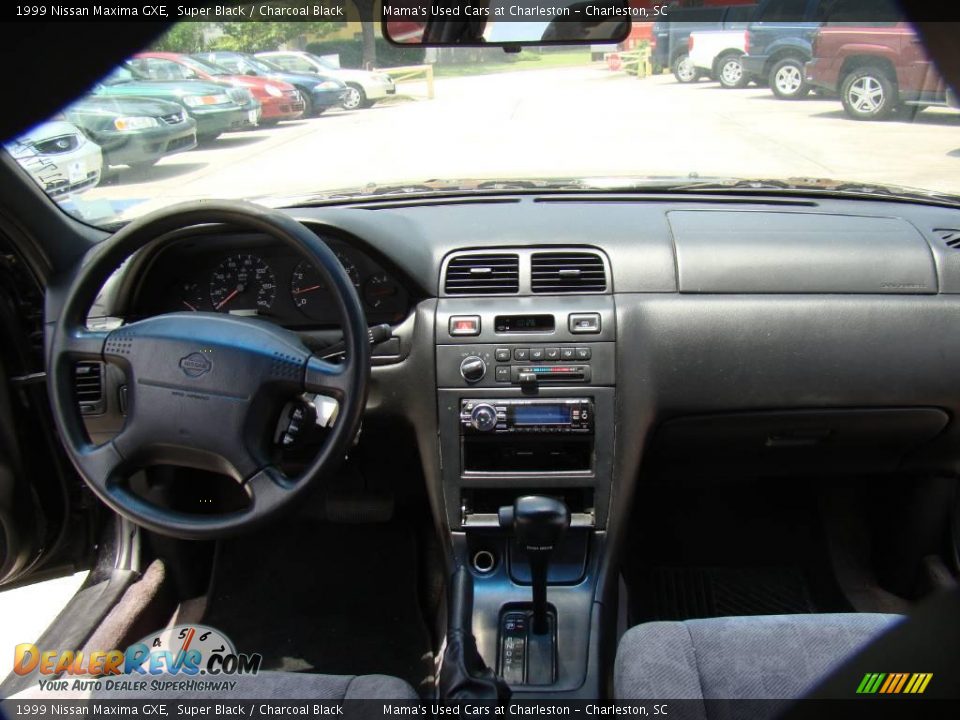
894, 683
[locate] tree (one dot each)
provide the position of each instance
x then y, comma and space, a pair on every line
184, 37
366, 8
265, 35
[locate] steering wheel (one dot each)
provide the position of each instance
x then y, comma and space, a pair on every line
205, 390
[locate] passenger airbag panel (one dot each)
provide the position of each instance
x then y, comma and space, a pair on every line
780, 252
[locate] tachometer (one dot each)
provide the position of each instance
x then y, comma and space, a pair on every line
350, 268
242, 283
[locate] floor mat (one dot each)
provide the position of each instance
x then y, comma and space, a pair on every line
680, 593
714, 551
316, 597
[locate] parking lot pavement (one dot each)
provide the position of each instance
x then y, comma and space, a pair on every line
562, 122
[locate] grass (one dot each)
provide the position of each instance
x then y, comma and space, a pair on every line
526, 60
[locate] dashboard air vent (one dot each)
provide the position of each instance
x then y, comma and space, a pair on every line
483, 274
88, 381
567, 272
950, 237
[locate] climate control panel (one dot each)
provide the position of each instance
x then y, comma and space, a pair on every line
525, 365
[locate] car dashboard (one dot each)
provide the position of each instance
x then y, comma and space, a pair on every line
578, 346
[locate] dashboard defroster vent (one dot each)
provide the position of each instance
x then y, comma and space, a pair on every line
950, 237
567, 272
483, 274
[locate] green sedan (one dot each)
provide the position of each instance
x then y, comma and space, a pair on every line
215, 108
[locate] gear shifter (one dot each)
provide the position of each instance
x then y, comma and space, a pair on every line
538, 524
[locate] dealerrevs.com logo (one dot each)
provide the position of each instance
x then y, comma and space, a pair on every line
182, 651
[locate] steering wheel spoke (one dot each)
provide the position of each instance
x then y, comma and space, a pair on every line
102, 464
85, 344
269, 485
326, 378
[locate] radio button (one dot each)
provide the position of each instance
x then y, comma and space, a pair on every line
568, 353
583, 353
521, 354
551, 353
536, 353
502, 354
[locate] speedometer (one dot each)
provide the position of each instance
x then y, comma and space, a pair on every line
242, 283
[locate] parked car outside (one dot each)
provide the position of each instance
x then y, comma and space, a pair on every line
133, 131
278, 100
876, 69
720, 53
364, 88
161, 69
62, 160
779, 42
211, 105
318, 92
668, 42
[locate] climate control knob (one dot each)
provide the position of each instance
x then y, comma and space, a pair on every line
484, 417
473, 369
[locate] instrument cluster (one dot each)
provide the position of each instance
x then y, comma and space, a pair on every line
255, 277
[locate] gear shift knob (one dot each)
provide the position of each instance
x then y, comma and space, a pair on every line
538, 524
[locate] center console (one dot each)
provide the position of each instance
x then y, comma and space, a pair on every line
526, 408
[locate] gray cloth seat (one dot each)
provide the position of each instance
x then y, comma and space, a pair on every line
736, 658
267, 685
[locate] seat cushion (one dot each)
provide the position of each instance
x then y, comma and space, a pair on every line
733, 658
262, 686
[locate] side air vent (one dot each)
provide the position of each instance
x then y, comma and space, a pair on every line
483, 274
88, 383
950, 237
567, 272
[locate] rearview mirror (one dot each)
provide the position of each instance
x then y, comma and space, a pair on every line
505, 23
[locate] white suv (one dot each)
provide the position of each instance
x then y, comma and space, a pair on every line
364, 88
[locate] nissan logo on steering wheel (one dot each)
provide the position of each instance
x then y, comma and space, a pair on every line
195, 365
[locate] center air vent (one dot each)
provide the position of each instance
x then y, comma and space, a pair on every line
950, 237
483, 274
567, 272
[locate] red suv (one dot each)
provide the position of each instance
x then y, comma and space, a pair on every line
875, 69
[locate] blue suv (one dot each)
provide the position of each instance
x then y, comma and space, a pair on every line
779, 44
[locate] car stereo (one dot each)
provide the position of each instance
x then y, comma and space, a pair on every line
503, 415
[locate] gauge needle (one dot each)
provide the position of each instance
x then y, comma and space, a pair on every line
189, 306
300, 291
227, 299
183, 648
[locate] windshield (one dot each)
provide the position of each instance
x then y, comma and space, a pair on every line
696, 99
